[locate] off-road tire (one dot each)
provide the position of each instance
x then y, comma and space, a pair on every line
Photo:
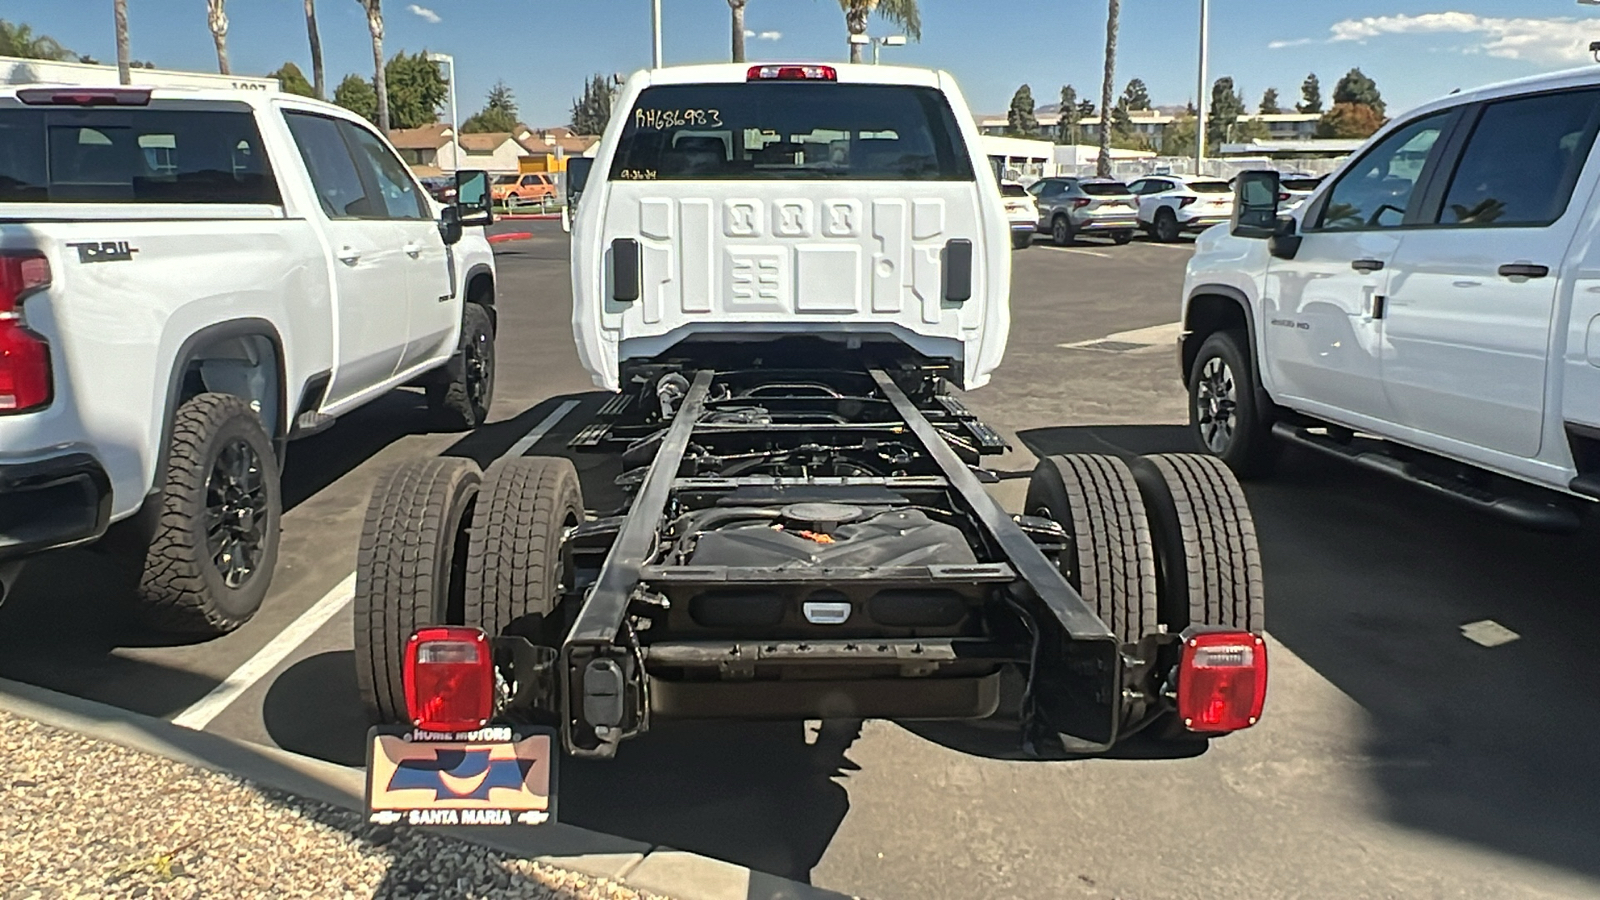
1246, 442
514, 559
182, 589
460, 394
1110, 557
1165, 228
1021, 241
1207, 559
1062, 234
410, 570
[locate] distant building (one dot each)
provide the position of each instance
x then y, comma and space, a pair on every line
43, 71
429, 149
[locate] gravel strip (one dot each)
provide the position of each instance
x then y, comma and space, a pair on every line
85, 818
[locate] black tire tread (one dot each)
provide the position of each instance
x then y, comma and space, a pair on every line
398, 569
1253, 453
1214, 543
173, 595
514, 549
448, 404
1114, 564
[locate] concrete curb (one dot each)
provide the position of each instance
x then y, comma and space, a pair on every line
661, 870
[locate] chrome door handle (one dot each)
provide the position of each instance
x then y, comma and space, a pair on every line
1524, 270
1366, 266
349, 255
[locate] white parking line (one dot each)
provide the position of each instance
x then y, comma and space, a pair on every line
1081, 250
199, 715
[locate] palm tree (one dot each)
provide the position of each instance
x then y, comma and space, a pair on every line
737, 7
19, 41
1102, 166
218, 20
119, 9
374, 10
317, 84
901, 12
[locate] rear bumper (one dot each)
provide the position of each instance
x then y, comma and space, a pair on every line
1201, 223
1106, 224
51, 503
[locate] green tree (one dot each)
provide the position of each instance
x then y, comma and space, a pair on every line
293, 80
18, 39
1086, 109
499, 112
1246, 130
592, 111
1350, 121
1020, 120
356, 94
416, 90
1113, 13
1071, 115
1136, 96
1226, 107
1269, 103
897, 12
1177, 137
1356, 87
1310, 95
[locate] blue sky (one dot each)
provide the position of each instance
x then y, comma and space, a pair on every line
1415, 50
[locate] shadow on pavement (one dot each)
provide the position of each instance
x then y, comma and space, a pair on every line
1369, 582
334, 728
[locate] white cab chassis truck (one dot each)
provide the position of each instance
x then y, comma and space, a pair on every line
1431, 311
782, 269
189, 279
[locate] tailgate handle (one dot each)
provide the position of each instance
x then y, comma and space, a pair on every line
957, 266
626, 280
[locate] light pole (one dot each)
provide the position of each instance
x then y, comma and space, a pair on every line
1594, 46
893, 40
655, 31
1200, 91
455, 123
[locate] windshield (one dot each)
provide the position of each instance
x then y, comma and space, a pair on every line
767, 131
1210, 187
148, 155
1103, 188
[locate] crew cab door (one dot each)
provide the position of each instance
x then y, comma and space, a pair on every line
1322, 309
1472, 292
369, 277
429, 312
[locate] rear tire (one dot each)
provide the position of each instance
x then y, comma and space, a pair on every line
410, 571
514, 560
460, 394
209, 560
1224, 412
1062, 234
1110, 558
1122, 237
1166, 226
1021, 240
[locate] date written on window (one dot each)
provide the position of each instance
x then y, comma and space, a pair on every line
659, 119
637, 175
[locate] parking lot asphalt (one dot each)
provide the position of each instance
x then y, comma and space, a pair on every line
1396, 758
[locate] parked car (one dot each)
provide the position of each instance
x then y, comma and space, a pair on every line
1172, 205
1432, 312
188, 280
440, 187
1022, 212
1295, 188
1069, 207
524, 190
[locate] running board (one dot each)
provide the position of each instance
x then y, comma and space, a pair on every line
1529, 514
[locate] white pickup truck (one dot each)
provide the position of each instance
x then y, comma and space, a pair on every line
189, 279
1432, 311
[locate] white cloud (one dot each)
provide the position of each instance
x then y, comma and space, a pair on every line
424, 13
1298, 42
1555, 41
764, 35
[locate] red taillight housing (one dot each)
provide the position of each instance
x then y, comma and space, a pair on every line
1081, 202
449, 679
24, 356
1283, 196
1222, 681
1185, 201
85, 96
792, 73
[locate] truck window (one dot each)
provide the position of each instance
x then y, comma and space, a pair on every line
1375, 192
399, 194
333, 172
1522, 161
149, 155
791, 130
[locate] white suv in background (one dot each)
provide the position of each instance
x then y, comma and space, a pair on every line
1171, 205
1431, 312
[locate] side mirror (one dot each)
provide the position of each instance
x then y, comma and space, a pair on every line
473, 206
578, 168
1255, 204
450, 225
1286, 238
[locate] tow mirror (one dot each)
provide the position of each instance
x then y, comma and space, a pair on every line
1255, 205
473, 203
450, 225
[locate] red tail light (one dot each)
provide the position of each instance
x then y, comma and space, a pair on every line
449, 679
1185, 201
1081, 202
1283, 196
1222, 681
24, 356
85, 96
792, 73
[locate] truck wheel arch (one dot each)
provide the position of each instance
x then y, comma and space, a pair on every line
480, 290
250, 345
1218, 307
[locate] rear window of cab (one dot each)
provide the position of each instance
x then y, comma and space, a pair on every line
782, 131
